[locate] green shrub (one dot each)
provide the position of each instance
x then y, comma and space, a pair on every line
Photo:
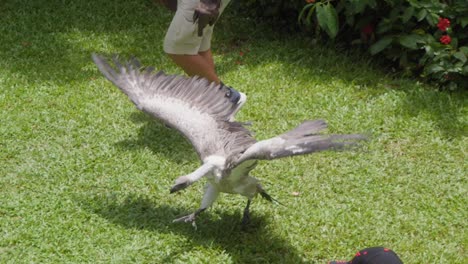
427, 38
279, 13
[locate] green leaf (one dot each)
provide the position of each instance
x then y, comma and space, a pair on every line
454, 43
384, 26
394, 14
460, 56
359, 5
421, 14
432, 19
464, 49
380, 45
311, 6
464, 21
404, 59
429, 50
372, 3
350, 20
410, 41
328, 19
433, 68
407, 14
465, 70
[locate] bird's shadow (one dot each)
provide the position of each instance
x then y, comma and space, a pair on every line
255, 244
160, 139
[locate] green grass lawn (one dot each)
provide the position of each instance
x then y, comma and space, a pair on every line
85, 177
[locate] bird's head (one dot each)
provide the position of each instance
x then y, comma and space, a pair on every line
181, 183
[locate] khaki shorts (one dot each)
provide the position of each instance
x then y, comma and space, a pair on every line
181, 37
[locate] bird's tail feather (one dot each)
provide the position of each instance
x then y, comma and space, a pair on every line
266, 196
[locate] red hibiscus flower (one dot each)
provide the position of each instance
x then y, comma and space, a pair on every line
443, 24
445, 39
310, 1
368, 30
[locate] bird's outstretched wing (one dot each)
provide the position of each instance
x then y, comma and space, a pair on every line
194, 106
303, 139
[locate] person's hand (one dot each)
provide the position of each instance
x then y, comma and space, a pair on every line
206, 13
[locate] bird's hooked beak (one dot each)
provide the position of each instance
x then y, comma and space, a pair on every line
181, 183
185, 181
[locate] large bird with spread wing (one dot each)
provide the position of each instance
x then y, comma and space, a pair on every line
202, 112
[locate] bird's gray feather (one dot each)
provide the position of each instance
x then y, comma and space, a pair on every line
196, 107
200, 110
309, 127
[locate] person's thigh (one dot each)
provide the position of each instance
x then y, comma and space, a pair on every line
208, 31
181, 37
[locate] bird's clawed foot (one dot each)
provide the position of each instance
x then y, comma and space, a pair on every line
181, 183
189, 218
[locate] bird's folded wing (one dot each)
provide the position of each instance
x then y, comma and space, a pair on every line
301, 140
194, 106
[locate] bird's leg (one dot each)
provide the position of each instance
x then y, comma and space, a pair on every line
246, 217
208, 198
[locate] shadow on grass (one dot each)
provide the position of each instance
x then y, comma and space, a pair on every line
256, 244
444, 109
159, 139
305, 61
52, 42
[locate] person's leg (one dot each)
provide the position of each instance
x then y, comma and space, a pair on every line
208, 56
201, 64
193, 53
189, 51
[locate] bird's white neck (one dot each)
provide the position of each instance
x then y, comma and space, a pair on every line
200, 172
210, 164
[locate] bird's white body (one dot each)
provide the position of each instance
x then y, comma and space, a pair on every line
236, 181
202, 112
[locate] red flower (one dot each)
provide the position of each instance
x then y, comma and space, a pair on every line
445, 39
443, 24
368, 30
310, 1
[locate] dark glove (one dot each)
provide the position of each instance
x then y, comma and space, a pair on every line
206, 13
